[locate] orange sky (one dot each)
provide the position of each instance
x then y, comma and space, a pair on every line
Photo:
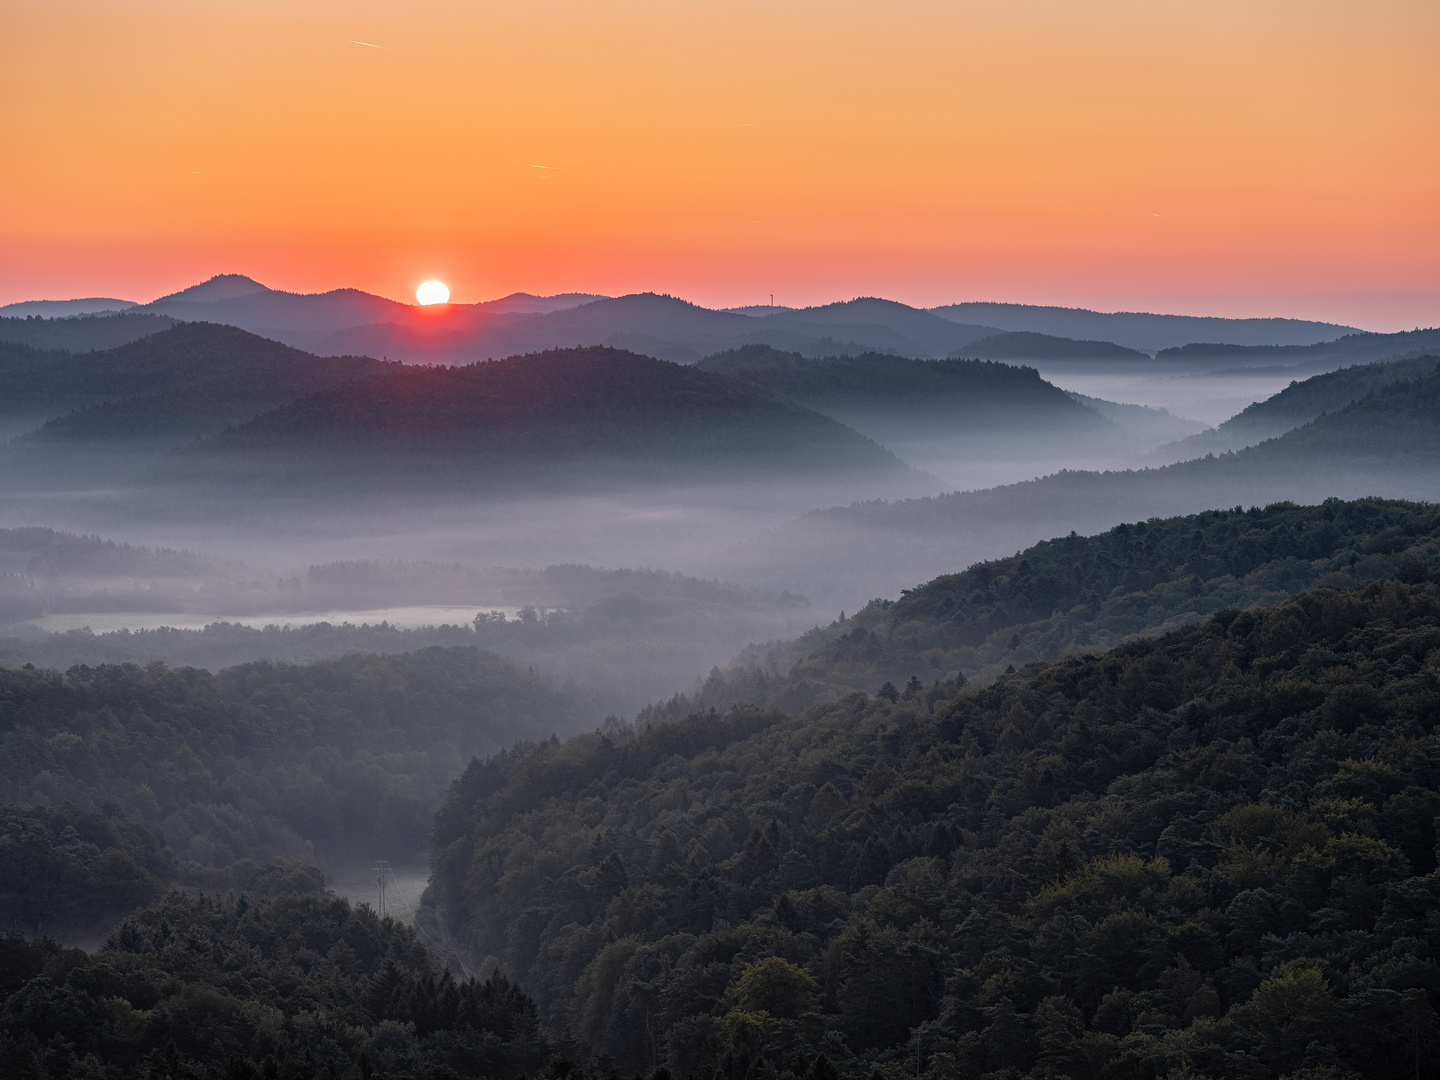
1182, 155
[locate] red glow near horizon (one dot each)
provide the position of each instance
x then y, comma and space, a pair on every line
1230, 158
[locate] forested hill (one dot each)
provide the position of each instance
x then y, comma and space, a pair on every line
1386, 444
1356, 348
975, 392
83, 333
898, 400
1207, 854
195, 361
1078, 593
1299, 403
340, 759
585, 406
1028, 345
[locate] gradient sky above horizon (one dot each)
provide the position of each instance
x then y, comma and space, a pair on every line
1215, 157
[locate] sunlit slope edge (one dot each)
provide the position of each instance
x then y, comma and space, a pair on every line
1214, 851
1077, 593
576, 409
1388, 445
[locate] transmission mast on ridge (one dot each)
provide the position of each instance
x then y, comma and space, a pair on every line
382, 871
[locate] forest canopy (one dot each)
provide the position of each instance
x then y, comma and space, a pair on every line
1208, 853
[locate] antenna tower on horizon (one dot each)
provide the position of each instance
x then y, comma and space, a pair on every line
382, 871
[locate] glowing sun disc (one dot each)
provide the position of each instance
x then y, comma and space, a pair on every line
433, 292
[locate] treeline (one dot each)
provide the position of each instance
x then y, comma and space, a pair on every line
1211, 853
340, 759
1079, 593
197, 987
70, 872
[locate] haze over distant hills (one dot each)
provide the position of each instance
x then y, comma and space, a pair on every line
350, 321
1387, 443
554, 417
1142, 330
898, 400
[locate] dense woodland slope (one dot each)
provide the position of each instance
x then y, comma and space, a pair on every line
340, 759
570, 411
1207, 854
293, 988
1078, 593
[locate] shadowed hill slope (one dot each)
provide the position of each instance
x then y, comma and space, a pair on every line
191, 379
1141, 330
582, 409
1027, 345
896, 399
83, 333
1297, 404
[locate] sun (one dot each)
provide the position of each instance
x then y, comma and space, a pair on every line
433, 292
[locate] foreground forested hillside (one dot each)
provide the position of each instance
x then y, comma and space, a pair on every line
291, 988
1207, 854
1078, 593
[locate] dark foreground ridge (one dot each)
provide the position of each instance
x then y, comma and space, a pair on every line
1207, 854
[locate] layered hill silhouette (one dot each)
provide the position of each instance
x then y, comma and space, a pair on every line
1144, 331
546, 417
83, 333
896, 399
1357, 348
1386, 444
1028, 345
662, 326
1297, 404
191, 379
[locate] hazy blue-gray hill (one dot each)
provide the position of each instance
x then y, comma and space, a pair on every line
1141, 330
188, 380
923, 333
84, 332
662, 326
547, 417
1299, 403
306, 319
657, 326
1387, 444
236, 300
1356, 348
1028, 345
63, 309
895, 399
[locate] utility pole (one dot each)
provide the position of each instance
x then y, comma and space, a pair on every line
382, 871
